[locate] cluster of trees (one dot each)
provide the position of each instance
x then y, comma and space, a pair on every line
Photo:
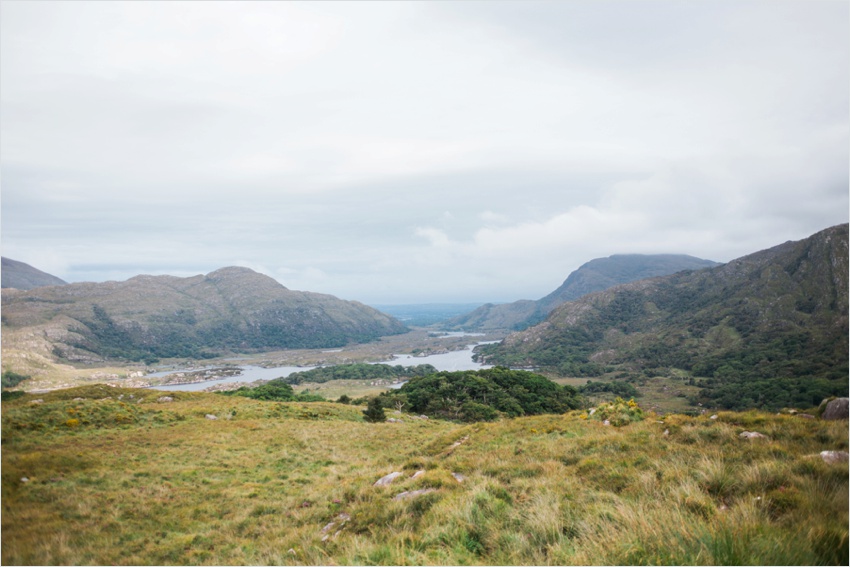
358, 371
276, 391
619, 389
482, 395
11, 379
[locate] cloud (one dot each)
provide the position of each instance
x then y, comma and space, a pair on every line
416, 151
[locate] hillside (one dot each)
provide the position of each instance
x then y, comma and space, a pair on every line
596, 275
164, 316
18, 275
113, 476
766, 330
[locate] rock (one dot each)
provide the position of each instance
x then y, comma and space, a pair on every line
38, 401
592, 411
458, 477
81, 399
713, 417
413, 493
394, 420
831, 457
805, 415
666, 433
606, 422
24, 479
417, 474
752, 435
210, 416
423, 417
343, 517
837, 409
328, 527
385, 480
164, 399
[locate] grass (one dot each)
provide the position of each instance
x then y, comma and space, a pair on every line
151, 482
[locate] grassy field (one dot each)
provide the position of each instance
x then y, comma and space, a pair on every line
100, 475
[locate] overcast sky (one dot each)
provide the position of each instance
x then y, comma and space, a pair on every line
404, 152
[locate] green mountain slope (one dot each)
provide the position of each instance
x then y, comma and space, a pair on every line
19, 275
166, 316
765, 330
596, 275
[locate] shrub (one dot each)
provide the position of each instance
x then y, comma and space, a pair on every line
374, 412
619, 412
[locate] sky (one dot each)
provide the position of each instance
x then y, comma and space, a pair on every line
416, 152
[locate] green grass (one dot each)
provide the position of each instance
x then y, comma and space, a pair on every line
151, 482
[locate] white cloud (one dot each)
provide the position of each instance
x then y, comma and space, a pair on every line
419, 151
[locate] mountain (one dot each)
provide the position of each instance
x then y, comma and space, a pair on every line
596, 275
18, 275
424, 314
149, 317
766, 330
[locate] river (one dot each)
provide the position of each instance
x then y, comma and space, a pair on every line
448, 361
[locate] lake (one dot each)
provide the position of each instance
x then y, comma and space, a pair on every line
449, 361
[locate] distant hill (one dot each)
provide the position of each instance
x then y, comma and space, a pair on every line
149, 317
424, 314
23, 276
596, 275
766, 330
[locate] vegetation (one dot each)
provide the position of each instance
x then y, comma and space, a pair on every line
11, 379
374, 412
357, 371
768, 330
618, 388
151, 317
100, 475
483, 395
273, 391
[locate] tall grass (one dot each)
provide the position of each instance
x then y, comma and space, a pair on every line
276, 483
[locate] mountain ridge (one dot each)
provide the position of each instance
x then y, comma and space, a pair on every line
167, 316
773, 320
596, 275
19, 275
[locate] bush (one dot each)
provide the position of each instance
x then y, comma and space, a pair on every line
11, 379
619, 412
374, 412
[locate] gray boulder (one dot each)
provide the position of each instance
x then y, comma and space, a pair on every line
413, 493
831, 457
385, 480
752, 435
836, 409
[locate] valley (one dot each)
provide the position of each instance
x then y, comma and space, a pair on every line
614, 450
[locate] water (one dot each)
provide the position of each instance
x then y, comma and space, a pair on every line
449, 361
249, 374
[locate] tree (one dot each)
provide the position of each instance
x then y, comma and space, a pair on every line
374, 412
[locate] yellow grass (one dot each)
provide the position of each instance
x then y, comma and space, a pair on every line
151, 482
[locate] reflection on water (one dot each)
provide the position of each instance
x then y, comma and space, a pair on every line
249, 374
449, 361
